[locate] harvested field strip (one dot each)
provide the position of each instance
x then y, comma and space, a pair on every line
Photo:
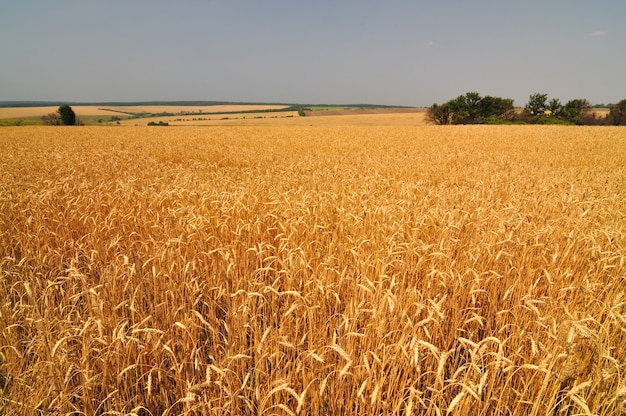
289, 118
207, 109
213, 119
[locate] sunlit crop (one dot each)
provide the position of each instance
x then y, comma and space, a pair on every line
305, 270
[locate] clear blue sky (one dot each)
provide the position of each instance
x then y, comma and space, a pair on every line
340, 52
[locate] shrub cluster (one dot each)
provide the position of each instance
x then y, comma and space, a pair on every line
471, 108
539, 110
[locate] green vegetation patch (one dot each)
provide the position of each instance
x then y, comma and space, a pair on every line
20, 122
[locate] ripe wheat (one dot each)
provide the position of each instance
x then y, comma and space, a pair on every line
313, 270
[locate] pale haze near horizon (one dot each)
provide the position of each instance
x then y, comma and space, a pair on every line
410, 53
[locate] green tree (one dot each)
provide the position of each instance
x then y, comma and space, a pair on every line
555, 107
462, 110
67, 115
575, 111
537, 104
617, 114
469, 108
495, 108
440, 114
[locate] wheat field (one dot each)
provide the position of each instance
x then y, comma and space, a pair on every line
313, 270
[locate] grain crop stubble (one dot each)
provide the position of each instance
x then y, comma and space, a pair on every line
309, 270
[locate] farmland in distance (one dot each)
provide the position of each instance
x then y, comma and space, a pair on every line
358, 268
218, 115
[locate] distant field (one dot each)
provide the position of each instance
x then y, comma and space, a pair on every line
230, 115
211, 119
224, 115
154, 109
34, 112
318, 118
601, 112
368, 266
356, 111
125, 111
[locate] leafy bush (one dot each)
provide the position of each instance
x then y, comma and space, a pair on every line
471, 108
550, 119
498, 120
617, 114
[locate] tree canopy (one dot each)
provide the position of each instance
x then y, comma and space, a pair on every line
617, 114
67, 115
471, 108
539, 110
537, 104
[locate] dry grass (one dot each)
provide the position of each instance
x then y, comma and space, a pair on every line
313, 270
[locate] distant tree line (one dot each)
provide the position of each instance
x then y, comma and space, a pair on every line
471, 108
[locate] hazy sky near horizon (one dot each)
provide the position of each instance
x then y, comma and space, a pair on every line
407, 52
